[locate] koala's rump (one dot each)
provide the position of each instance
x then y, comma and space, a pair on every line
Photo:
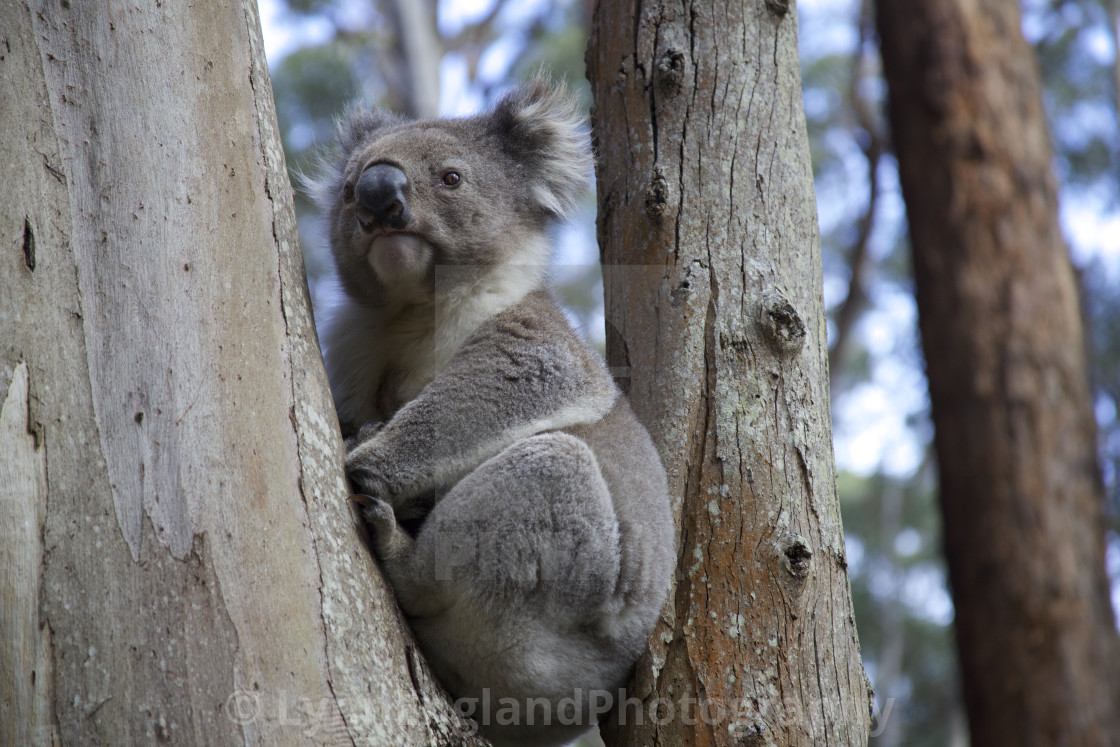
568, 551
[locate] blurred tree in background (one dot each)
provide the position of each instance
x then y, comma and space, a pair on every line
1001, 328
845, 98
342, 50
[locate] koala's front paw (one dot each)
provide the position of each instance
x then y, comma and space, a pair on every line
364, 478
388, 537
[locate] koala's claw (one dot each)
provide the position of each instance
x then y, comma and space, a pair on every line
375, 510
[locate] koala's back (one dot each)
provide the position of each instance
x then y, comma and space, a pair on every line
633, 474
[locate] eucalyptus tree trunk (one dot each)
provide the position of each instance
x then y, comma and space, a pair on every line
178, 561
998, 308
712, 268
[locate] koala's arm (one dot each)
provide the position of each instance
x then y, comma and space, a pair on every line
522, 373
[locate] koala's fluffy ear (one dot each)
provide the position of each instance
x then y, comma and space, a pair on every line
540, 126
359, 123
352, 128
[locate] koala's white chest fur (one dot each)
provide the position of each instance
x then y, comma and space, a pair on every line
406, 342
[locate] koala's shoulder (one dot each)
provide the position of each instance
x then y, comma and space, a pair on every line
535, 331
536, 320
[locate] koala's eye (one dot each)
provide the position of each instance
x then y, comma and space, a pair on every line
348, 192
452, 179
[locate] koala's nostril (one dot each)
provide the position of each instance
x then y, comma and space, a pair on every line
380, 193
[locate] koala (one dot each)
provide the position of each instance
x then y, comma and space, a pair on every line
517, 507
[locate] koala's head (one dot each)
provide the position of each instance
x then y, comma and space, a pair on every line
401, 197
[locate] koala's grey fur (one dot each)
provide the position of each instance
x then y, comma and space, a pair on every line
546, 546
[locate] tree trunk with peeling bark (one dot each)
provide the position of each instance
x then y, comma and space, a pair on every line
998, 308
178, 560
712, 269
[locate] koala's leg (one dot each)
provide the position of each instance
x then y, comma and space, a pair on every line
531, 529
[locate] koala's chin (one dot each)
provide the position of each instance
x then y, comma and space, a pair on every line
517, 507
399, 256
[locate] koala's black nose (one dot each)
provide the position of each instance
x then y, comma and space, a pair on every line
380, 193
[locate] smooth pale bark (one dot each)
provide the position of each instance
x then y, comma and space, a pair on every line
1015, 437
712, 262
178, 560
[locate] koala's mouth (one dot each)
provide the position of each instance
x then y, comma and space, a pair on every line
371, 227
374, 224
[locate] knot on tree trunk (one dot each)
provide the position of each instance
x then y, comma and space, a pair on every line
781, 324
